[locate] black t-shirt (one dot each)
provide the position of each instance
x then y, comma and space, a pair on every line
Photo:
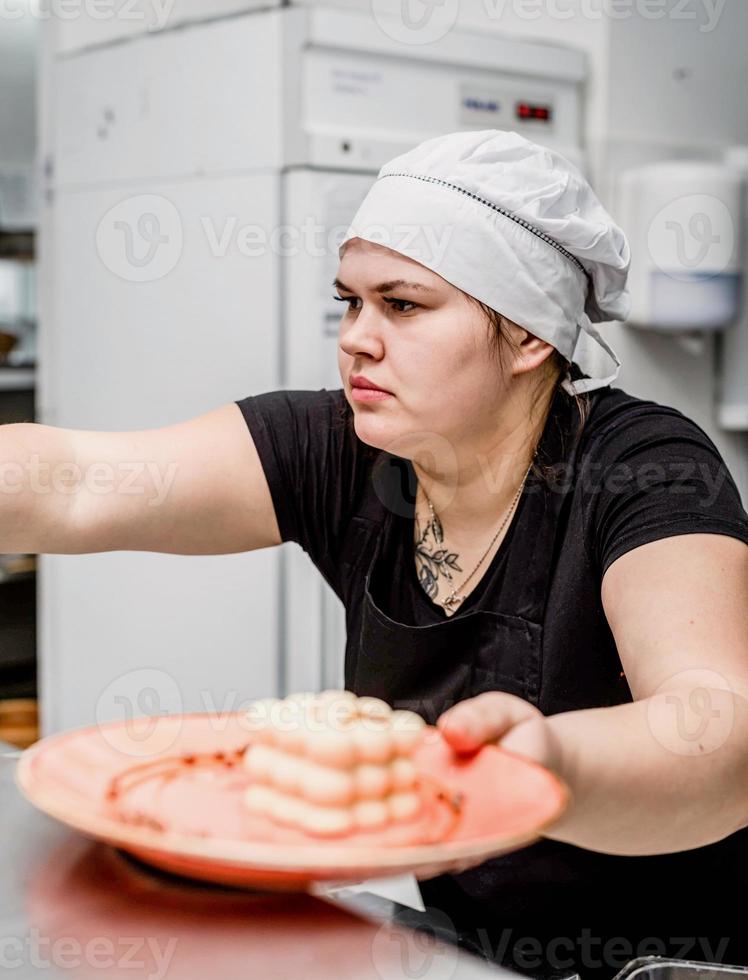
641, 471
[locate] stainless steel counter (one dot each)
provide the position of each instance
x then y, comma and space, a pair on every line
73, 908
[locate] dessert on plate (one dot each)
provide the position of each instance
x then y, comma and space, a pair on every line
330, 767
333, 763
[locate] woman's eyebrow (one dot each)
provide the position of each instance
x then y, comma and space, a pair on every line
387, 287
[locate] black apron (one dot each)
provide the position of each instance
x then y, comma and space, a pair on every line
549, 890
429, 668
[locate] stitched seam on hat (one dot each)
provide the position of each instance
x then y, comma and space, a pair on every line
495, 207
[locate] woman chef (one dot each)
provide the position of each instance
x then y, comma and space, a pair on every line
510, 537
526, 554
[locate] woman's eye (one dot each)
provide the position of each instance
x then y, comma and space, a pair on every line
346, 299
400, 301
396, 303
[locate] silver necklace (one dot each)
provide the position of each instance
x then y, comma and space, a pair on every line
454, 598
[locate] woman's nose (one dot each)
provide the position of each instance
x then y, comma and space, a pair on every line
361, 334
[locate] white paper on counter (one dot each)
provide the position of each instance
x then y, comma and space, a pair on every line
402, 889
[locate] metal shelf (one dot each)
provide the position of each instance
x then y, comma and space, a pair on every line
17, 379
8, 579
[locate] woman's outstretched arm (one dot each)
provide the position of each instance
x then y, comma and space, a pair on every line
196, 487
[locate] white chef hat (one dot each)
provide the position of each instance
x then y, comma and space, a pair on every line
515, 225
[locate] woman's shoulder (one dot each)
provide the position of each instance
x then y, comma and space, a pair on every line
313, 461
618, 419
647, 471
302, 417
316, 401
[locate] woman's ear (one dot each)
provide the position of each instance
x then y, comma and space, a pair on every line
528, 351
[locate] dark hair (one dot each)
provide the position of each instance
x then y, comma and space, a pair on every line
551, 374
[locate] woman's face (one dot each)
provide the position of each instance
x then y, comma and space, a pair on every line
421, 339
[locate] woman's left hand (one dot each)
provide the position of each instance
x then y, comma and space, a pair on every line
502, 719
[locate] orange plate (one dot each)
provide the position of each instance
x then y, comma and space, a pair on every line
507, 802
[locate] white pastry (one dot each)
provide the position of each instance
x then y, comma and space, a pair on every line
371, 814
407, 730
403, 805
332, 748
260, 760
373, 707
333, 763
327, 820
325, 785
374, 741
403, 773
372, 782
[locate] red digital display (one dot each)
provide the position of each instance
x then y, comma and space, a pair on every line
530, 110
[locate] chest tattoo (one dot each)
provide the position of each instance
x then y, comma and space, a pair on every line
432, 558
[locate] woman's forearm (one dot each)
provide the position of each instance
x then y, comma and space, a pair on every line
666, 773
34, 487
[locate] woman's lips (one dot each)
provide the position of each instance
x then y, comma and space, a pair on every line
369, 394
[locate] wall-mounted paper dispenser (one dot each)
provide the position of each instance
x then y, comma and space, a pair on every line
683, 219
687, 223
